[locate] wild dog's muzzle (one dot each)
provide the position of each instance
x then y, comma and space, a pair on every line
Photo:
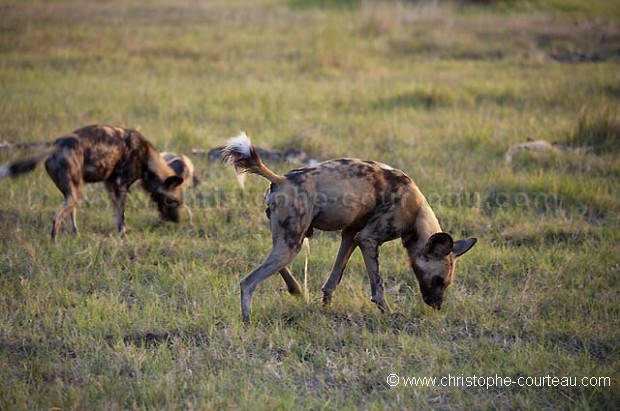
434, 301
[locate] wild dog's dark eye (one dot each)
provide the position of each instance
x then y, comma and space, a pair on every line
169, 202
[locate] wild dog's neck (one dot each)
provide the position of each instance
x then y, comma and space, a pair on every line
157, 166
156, 171
426, 224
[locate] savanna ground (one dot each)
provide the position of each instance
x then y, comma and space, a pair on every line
440, 90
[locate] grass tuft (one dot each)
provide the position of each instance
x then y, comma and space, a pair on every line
599, 133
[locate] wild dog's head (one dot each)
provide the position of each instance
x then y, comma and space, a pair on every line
434, 266
168, 195
164, 187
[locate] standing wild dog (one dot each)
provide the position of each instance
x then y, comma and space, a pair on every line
113, 155
370, 202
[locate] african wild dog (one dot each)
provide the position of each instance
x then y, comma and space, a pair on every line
113, 155
370, 202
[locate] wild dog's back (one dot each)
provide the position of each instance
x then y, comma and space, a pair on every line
105, 147
344, 192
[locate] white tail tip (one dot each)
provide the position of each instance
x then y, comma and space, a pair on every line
240, 144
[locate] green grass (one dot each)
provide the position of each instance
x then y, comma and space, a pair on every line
440, 90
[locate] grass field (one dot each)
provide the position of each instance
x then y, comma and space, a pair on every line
437, 89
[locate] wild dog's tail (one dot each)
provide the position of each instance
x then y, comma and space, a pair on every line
26, 165
8, 146
241, 153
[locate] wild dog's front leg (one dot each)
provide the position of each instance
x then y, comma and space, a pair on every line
347, 246
119, 198
370, 252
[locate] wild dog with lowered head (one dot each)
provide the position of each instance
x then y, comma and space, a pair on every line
113, 155
370, 203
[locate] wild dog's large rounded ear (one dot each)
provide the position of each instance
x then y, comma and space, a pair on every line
172, 182
463, 246
439, 245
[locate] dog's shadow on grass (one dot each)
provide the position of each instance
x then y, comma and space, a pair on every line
311, 316
369, 319
149, 339
154, 339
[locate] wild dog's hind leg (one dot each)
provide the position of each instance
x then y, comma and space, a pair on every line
73, 213
281, 255
291, 282
65, 172
347, 246
73, 219
68, 207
